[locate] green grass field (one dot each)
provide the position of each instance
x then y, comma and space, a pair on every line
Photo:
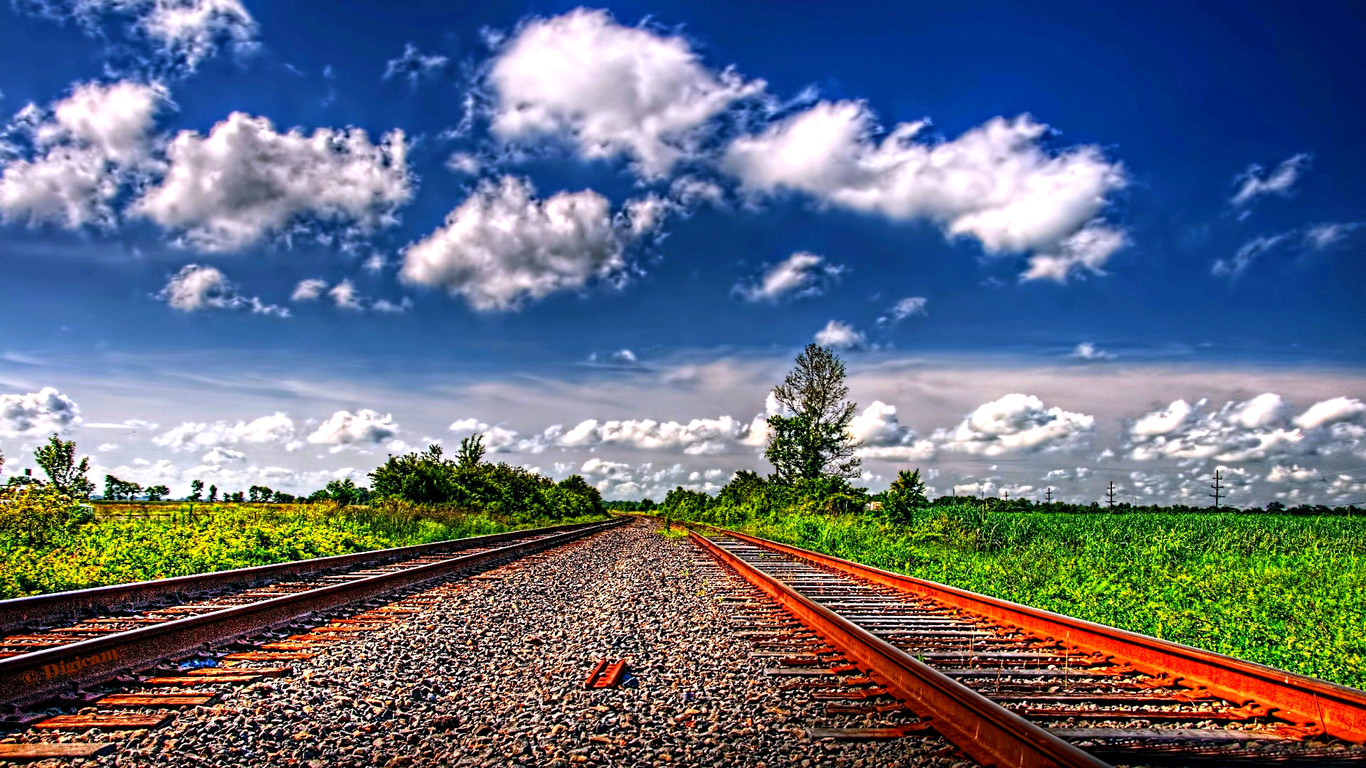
1277, 589
136, 542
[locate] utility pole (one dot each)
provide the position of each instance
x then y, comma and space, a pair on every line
1007, 494
1048, 497
1218, 488
1110, 494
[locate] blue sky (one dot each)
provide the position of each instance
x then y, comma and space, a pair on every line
1058, 245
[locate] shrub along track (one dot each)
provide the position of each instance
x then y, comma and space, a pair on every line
1013, 685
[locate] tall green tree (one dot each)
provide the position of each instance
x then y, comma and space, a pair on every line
471, 452
58, 460
813, 441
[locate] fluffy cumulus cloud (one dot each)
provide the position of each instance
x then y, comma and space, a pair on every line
996, 183
698, 436
415, 65
838, 335
1016, 423
798, 276
880, 435
35, 414
610, 89
500, 439
245, 181
362, 428
621, 480
196, 288
1258, 429
275, 429
79, 154
503, 246
1256, 181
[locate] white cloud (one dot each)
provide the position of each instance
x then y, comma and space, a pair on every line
245, 181
84, 150
798, 276
838, 335
364, 427
1088, 352
1292, 474
276, 429
698, 436
1085, 252
995, 183
623, 357
37, 413
1165, 421
1255, 182
185, 32
309, 290
414, 65
344, 295
1327, 234
1257, 429
1329, 412
1248, 253
907, 307
463, 162
503, 247
1016, 423
880, 435
196, 288
610, 89
500, 439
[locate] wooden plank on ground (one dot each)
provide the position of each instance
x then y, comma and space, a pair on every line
104, 720
155, 699
269, 656
186, 680
26, 752
212, 672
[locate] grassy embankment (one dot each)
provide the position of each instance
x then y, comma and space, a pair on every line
136, 542
1281, 590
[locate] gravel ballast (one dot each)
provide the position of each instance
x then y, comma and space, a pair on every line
493, 673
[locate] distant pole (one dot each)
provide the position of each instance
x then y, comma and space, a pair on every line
1007, 495
1048, 497
1110, 494
1218, 488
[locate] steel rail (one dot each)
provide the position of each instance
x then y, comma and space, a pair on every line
1338, 710
73, 605
985, 731
35, 677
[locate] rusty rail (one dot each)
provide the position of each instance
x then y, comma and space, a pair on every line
985, 731
41, 675
17, 613
1338, 710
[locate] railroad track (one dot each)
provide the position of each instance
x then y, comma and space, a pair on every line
140, 626
1016, 686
